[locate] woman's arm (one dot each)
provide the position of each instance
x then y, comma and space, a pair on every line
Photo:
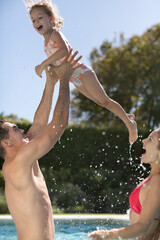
150, 211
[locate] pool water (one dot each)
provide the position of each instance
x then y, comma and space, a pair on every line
66, 229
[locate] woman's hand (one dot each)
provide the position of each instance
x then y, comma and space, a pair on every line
98, 235
104, 234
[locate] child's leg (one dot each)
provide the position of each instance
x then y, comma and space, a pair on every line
85, 93
92, 85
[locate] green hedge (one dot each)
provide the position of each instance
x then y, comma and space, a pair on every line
97, 161
3, 204
90, 170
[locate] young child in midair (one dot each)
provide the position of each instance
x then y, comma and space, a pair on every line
47, 23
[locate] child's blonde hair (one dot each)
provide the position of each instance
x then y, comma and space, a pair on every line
48, 7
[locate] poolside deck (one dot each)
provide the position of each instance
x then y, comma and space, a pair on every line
121, 217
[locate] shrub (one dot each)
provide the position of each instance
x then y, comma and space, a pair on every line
3, 205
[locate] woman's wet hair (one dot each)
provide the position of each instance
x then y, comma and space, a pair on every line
158, 131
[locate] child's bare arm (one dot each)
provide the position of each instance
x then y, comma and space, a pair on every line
63, 50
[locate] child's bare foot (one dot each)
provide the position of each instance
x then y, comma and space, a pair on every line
133, 132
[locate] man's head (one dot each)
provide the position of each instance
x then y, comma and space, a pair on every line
4, 134
10, 136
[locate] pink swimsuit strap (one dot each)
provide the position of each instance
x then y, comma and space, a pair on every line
134, 201
50, 39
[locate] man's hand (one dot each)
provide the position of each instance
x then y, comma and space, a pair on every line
51, 74
68, 66
39, 69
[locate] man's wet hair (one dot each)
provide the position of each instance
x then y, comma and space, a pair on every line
4, 134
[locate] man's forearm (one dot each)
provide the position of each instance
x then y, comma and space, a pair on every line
61, 112
42, 113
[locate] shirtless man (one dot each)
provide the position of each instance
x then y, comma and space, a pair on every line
25, 188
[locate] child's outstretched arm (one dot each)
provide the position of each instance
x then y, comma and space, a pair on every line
62, 52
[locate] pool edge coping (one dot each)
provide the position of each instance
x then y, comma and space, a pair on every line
121, 217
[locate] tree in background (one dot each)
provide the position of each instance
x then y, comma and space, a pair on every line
130, 74
14, 119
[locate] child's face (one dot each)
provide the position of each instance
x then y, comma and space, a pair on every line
41, 21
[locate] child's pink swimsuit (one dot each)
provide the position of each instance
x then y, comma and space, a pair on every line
51, 47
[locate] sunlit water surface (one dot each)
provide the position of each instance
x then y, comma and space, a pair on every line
66, 229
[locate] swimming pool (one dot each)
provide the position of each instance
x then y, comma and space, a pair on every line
69, 227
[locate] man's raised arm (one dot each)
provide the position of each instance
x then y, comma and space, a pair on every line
42, 144
42, 113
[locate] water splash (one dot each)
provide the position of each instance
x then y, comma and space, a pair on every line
130, 152
141, 165
130, 148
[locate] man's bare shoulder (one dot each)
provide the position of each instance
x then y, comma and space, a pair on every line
15, 164
16, 175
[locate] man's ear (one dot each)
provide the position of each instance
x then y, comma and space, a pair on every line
5, 143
